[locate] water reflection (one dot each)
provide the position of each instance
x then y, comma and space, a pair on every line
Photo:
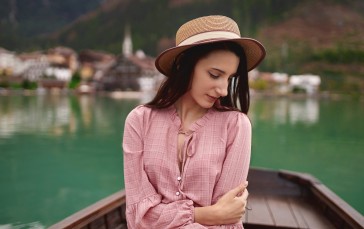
306, 111
60, 115
65, 153
286, 111
55, 115
58, 152
26, 115
33, 225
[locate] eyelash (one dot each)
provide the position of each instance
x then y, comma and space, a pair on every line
213, 76
216, 76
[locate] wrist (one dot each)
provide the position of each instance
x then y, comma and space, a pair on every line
208, 215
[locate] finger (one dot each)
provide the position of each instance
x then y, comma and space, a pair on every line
241, 193
239, 189
245, 194
243, 198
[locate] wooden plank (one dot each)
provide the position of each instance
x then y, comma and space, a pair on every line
299, 178
92, 213
313, 218
294, 205
99, 223
259, 213
280, 210
117, 218
309, 204
123, 212
338, 205
113, 218
267, 182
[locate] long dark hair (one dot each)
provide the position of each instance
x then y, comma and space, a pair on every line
178, 83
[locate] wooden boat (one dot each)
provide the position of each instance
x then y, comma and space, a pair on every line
277, 199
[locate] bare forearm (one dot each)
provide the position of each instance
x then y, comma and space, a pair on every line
207, 215
229, 209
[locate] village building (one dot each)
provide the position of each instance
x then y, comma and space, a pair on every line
59, 72
9, 63
63, 56
101, 71
282, 84
308, 83
58, 64
52, 70
63, 63
93, 64
131, 72
33, 66
275, 83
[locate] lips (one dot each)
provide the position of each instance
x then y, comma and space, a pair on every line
212, 98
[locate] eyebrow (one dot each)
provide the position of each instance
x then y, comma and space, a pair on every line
219, 70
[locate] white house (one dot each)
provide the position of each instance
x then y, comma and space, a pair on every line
59, 73
33, 68
309, 83
10, 62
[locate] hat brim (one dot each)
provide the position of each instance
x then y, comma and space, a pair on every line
254, 51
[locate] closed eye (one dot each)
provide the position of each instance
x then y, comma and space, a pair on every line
213, 75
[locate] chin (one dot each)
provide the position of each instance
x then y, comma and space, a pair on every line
206, 105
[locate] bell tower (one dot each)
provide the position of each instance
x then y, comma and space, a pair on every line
127, 47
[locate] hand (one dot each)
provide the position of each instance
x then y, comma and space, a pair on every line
230, 208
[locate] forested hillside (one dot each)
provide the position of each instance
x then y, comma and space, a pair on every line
151, 21
320, 37
22, 21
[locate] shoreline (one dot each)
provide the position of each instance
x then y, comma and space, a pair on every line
140, 95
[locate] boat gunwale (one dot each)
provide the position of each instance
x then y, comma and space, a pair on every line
91, 213
332, 203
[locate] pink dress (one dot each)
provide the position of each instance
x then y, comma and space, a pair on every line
158, 194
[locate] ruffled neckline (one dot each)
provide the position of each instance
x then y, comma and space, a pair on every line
195, 125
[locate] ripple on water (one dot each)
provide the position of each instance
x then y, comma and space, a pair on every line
32, 225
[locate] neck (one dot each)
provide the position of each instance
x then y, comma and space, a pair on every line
188, 111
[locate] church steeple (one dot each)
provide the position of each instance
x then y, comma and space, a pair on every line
127, 48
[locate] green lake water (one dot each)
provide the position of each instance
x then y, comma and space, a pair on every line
59, 154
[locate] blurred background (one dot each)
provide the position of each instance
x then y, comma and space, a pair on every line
70, 72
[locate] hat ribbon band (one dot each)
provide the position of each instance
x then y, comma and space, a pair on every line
213, 35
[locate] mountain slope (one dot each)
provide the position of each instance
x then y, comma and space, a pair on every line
20, 21
320, 37
151, 21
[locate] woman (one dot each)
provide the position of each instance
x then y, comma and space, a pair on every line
187, 152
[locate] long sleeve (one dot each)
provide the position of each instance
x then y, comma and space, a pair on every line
236, 164
238, 150
145, 207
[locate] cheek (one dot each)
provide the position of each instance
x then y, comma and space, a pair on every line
201, 82
204, 82
200, 87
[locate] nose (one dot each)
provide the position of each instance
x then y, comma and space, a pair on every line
222, 88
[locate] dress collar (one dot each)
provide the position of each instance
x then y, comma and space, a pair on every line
195, 125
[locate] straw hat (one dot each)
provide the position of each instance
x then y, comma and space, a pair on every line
209, 29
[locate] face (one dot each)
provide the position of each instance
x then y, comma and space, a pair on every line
211, 78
